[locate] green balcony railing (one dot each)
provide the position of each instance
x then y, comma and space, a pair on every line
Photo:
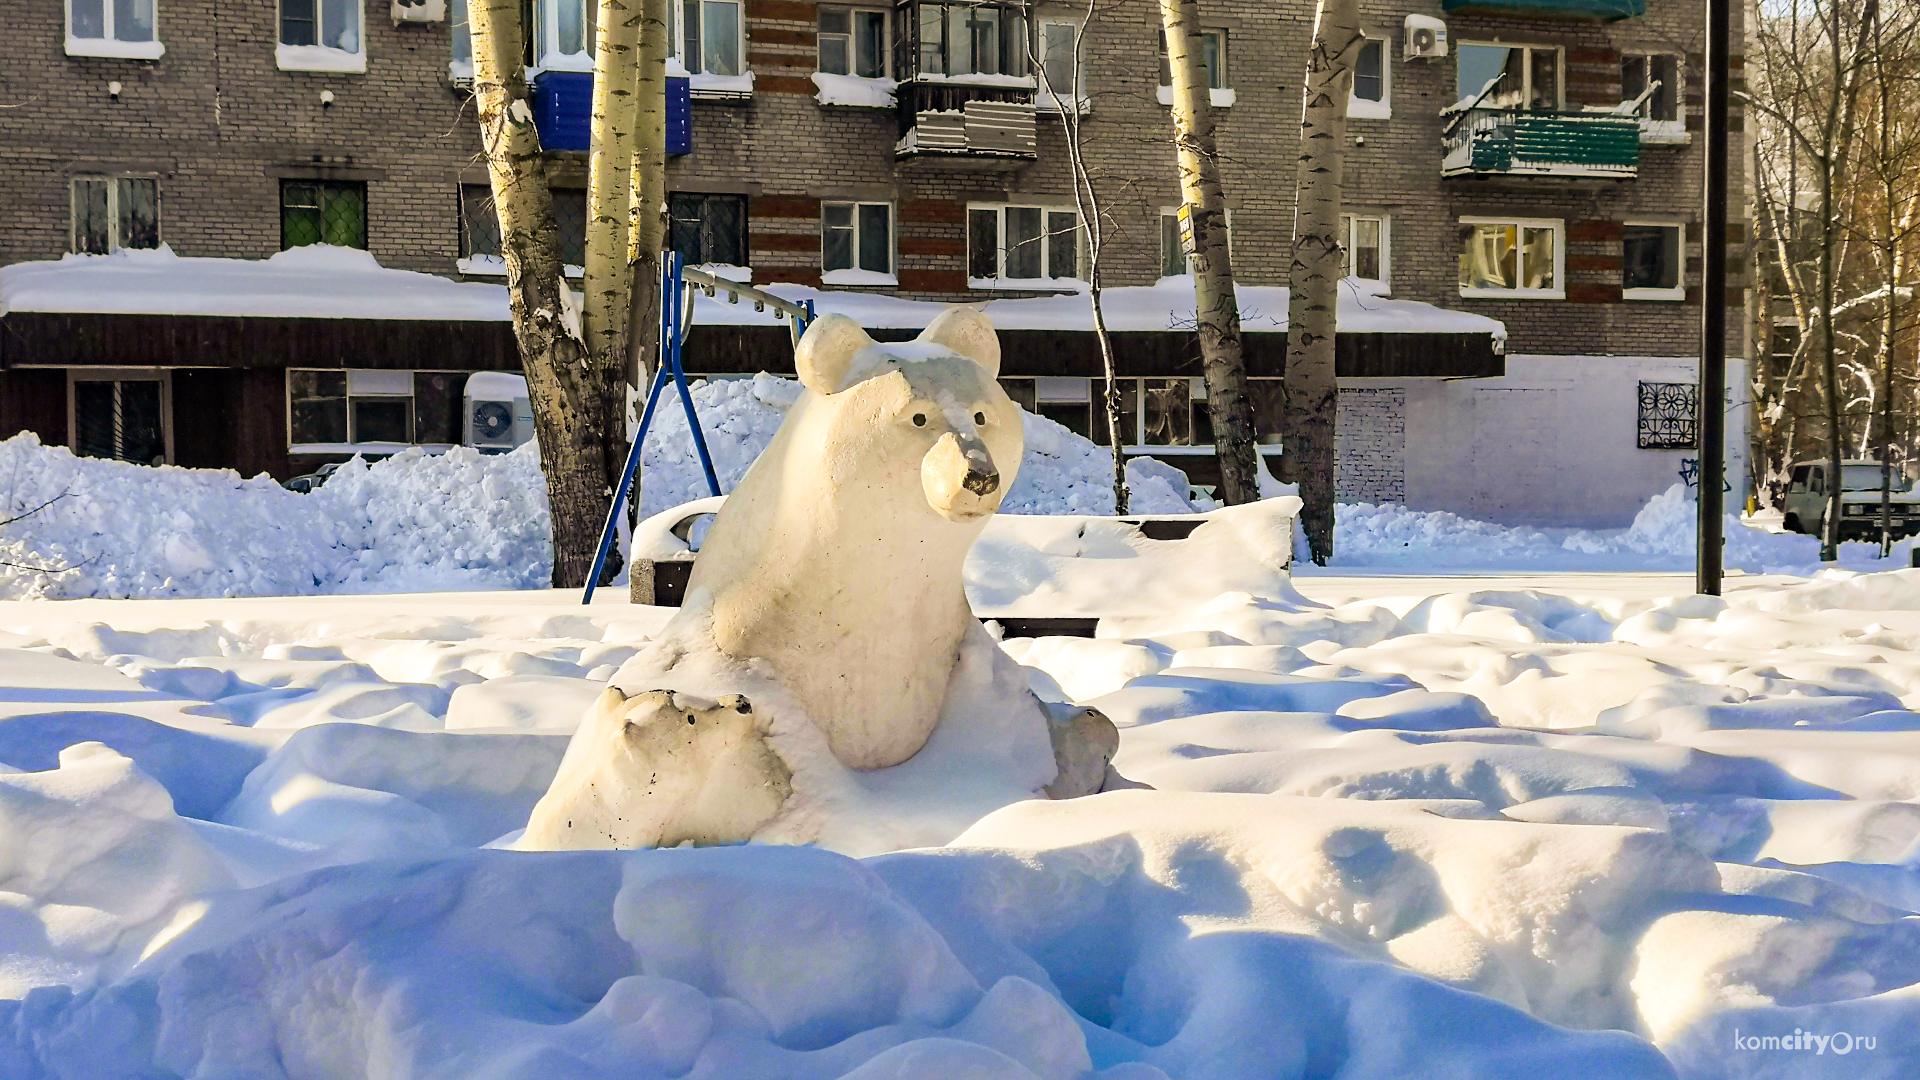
1501, 142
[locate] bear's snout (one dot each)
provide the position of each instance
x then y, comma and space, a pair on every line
959, 478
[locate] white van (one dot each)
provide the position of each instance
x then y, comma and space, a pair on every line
1806, 501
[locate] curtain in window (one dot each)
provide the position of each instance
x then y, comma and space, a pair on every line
1487, 256
1539, 261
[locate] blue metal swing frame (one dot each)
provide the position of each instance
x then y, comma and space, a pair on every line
677, 285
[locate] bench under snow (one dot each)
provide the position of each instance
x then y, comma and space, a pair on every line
1046, 574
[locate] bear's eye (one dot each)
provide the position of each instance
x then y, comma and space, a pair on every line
979, 419
919, 419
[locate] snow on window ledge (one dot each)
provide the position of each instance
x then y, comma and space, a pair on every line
460, 72
317, 448
495, 266
1219, 98
1018, 82
1363, 109
853, 91
556, 61
723, 87
1046, 284
1668, 295
1365, 286
318, 58
119, 50
1513, 294
1055, 103
857, 277
1664, 132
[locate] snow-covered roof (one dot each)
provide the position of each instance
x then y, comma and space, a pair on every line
314, 282
321, 282
1165, 305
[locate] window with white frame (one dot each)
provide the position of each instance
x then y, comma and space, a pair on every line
122, 28
1062, 76
1657, 81
1363, 248
113, 212
856, 243
332, 411
969, 38
1370, 98
854, 41
711, 37
1009, 244
1174, 259
563, 32
1501, 76
321, 35
1213, 53
1651, 255
1512, 257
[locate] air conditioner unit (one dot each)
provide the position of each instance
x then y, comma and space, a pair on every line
419, 11
1426, 36
499, 416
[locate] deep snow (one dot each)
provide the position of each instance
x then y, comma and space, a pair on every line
1480, 833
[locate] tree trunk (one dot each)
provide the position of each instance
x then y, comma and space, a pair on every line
648, 224
1217, 308
1312, 394
606, 303
566, 398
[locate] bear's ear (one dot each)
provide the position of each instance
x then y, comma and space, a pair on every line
826, 351
968, 332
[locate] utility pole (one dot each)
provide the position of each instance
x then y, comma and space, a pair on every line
1713, 317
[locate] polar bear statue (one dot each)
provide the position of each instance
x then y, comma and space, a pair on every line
826, 609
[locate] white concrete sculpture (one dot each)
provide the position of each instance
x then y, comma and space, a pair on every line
826, 679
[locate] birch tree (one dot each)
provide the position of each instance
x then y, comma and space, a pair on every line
1087, 202
1217, 309
1311, 391
648, 220
566, 392
607, 283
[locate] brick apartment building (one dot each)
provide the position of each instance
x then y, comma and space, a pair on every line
909, 150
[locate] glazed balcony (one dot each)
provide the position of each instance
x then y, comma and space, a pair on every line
1521, 142
965, 95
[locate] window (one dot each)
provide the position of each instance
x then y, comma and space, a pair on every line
1363, 248
461, 66
853, 42
112, 212
328, 411
1510, 258
124, 419
480, 229
322, 212
1650, 260
970, 39
1661, 71
1213, 53
1173, 255
320, 35
1160, 413
123, 28
708, 228
856, 243
1369, 100
1060, 68
710, 37
1007, 244
1667, 416
1528, 76
563, 34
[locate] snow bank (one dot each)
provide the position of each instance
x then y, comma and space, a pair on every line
312, 282
1660, 538
1062, 473
414, 521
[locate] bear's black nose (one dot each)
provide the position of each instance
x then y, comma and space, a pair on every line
981, 483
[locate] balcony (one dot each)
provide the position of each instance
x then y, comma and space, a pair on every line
563, 112
1518, 142
972, 125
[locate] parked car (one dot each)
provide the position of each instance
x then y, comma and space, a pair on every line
1807, 501
311, 482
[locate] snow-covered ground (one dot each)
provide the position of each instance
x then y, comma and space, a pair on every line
1592, 827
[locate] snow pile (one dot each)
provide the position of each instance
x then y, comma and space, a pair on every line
1660, 538
93, 527
1062, 472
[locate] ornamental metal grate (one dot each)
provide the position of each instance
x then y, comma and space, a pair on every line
1669, 416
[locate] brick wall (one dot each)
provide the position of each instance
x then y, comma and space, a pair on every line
1370, 448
